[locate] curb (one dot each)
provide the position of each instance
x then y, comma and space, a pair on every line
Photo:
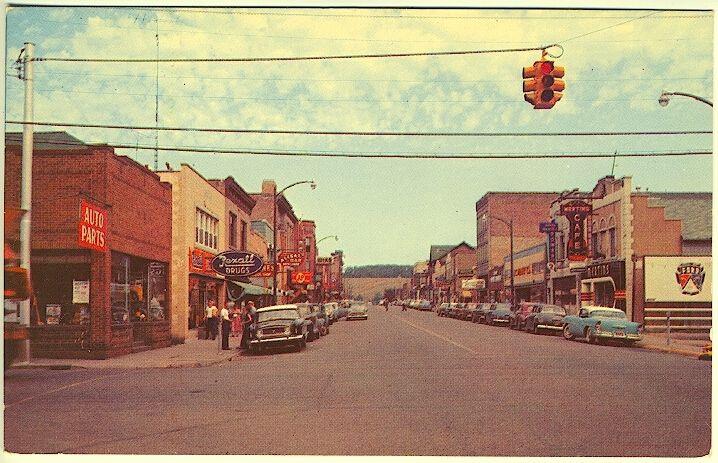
46, 367
671, 350
72, 366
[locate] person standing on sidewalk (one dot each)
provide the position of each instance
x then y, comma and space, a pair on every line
247, 319
211, 324
226, 324
236, 316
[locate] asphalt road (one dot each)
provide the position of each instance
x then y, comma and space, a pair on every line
400, 383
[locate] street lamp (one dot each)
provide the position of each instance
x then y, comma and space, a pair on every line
277, 195
510, 224
664, 99
336, 238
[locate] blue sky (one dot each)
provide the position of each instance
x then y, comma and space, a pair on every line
384, 211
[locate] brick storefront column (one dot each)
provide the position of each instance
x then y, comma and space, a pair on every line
101, 321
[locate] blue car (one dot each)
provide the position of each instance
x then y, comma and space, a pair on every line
499, 314
596, 324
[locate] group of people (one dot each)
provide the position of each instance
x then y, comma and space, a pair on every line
235, 321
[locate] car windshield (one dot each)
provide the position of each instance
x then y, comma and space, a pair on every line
607, 314
277, 315
503, 307
553, 309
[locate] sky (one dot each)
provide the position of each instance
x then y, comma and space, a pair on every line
617, 63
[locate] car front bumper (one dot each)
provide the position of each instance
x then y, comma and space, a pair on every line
279, 339
550, 327
500, 320
364, 316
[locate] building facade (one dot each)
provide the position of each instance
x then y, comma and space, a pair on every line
100, 248
460, 262
199, 232
529, 275
525, 209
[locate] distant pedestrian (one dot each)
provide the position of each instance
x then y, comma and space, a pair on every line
211, 319
226, 324
236, 315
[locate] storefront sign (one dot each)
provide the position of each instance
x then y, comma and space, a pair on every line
80, 292
546, 227
324, 260
266, 271
678, 278
290, 257
576, 212
301, 278
237, 263
92, 228
552, 247
53, 313
200, 262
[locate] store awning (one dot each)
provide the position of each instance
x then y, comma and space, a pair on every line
474, 283
251, 289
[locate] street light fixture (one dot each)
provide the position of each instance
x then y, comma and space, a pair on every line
277, 195
336, 238
510, 224
664, 99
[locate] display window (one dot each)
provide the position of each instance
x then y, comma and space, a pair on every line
61, 294
138, 289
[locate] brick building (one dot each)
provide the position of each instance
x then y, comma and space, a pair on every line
419, 280
330, 272
529, 274
436, 271
100, 248
287, 240
526, 209
621, 229
460, 262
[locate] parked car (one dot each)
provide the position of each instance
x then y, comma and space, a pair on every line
307, 312
322, 319
596, 324
424, 305
452, 312
474, 311
545, 317
517, 318
443, 310
460, 311
358, 311
278, 325
332, 310
499, 314
481, 311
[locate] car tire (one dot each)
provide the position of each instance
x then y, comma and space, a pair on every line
567, 333
489, 321
304, 341
590, 339
535, 329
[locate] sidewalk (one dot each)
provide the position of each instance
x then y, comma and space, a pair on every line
679, 345
193, 353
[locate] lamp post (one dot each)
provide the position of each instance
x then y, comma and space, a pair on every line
664, 99
336, 238
277, 195
510, 224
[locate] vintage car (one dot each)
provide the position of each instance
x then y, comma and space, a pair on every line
479, 315
443, 309
332, 310
545, 317
460, 312
277, 326
499, 314
424, 305
358, 311
596, 324
517, 318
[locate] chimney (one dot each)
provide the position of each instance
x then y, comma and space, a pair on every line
268, 187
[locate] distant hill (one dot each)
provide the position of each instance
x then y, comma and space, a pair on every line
379, 271
372, 288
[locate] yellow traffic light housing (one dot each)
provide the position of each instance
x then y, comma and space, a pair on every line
542, 84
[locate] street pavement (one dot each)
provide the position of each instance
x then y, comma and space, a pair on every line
400, 383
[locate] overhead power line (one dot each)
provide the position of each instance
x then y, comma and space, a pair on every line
477, 156
364, 133
288, 58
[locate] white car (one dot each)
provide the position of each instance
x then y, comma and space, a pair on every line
332, 310
358, 311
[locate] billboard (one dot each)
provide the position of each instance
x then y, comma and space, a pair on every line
678, 278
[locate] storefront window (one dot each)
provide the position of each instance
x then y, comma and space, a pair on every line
138, 289
62, 294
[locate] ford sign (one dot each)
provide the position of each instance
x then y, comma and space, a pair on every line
237, 263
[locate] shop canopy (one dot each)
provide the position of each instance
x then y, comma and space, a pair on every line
251, 289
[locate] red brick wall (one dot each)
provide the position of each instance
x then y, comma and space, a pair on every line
652, 233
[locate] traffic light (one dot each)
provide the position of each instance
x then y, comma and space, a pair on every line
542, 86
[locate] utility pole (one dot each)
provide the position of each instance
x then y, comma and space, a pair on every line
157, 93
26, 191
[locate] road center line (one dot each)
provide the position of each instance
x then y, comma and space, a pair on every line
436, 335
68, 386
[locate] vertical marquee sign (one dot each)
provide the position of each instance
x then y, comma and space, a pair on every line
576, 213
92, 228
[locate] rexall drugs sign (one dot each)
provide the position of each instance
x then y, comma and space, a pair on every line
678, 278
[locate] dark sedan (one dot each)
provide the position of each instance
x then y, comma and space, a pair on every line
499, 314
545, 317
276, 326
481, 312
517, 319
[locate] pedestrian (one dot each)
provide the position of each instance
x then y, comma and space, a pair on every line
226, 324
236, 316
248, 317
211, 320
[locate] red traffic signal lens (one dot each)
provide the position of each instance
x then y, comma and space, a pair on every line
547, 95
546, 67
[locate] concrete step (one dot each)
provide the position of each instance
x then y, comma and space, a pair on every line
139, 346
